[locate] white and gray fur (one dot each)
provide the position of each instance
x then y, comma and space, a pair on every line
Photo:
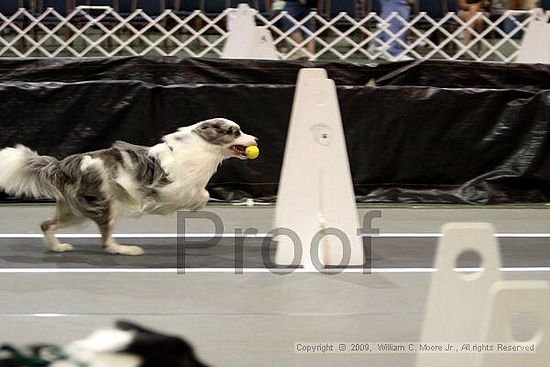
126, 178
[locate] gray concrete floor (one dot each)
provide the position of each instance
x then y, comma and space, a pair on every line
166, 253
395, 219
248, 319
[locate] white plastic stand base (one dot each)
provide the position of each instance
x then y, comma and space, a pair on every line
507, 298
316, 198
246, 40
535, 45
456, 301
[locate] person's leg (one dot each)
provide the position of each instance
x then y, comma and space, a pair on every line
308, 33
384, 14
297, 36
293, 10
478, 25
397, 24
469, 13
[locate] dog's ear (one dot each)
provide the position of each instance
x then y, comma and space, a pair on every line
208, 130
217, 131
131, 326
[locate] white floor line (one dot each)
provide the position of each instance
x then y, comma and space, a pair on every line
259, 235
248, 270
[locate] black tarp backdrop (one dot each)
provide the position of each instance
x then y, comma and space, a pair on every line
446, 132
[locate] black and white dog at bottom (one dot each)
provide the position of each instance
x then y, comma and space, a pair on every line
126, 178
129, 345
126, 345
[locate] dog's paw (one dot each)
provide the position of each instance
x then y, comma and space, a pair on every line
125, 250
199, 201
62, 247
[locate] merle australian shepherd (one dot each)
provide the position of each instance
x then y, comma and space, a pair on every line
126, 178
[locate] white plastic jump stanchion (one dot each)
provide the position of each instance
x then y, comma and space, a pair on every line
507, 298
316, 198
535, 45
456, 301
246, 40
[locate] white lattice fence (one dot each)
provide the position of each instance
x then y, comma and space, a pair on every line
100, 31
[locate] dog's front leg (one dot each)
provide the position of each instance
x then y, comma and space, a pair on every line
110, 245
199, 200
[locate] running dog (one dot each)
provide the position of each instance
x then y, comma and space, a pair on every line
125, 178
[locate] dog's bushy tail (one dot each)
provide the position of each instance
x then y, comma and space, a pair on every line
25, 173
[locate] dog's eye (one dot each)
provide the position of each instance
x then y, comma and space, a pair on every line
90, 198
233, 132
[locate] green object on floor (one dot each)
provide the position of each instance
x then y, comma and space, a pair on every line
39, 356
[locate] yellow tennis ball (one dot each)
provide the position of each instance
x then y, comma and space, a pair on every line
252, 152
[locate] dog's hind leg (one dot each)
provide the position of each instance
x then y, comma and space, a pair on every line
63, 218
106, 224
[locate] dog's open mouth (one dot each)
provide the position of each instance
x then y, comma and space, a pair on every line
238, 150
